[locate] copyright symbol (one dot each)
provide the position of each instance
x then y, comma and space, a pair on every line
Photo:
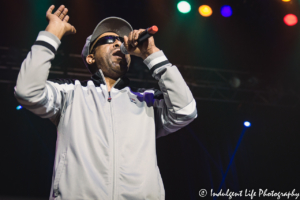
202, 193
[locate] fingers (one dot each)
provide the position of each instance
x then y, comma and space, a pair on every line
73, 30
126, 44
70, 29
59, 10
66, 19
130, 38
63, 14
50, 10
133, 37
137, 34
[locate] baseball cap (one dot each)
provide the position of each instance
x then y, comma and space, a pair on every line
110, 24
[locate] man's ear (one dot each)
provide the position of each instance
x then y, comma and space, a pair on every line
90, 59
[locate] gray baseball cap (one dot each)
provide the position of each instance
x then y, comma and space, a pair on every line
110, 24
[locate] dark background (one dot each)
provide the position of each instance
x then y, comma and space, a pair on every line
254, 39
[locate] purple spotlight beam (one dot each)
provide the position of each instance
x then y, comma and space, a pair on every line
226, 11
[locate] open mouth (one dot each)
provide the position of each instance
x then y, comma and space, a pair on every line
118, 53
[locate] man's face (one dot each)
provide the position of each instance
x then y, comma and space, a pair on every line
110, 60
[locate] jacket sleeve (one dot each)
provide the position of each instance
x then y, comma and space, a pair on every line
178, 106
32, 90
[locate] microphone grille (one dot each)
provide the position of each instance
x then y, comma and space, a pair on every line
123, 49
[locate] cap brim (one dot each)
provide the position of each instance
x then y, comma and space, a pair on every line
112, 24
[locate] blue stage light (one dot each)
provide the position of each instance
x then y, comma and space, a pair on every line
247, 124
226, 11
19, 107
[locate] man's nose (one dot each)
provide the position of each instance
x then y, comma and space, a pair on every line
117, 43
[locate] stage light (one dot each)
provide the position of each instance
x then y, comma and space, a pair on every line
286, 0
19, 107
184, 7
205, 11
290, 19
247, 124
226, 11
234, 82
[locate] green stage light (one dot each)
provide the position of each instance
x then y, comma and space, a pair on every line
184, 7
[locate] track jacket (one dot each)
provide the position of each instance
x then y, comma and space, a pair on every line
105, 146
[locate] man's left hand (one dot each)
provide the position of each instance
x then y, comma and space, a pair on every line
142, 50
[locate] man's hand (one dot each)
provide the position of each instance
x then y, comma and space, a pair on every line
142, 50
58, 22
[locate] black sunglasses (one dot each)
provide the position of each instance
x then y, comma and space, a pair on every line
109, 39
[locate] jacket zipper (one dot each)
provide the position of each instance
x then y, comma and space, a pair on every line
109, 97
114, 151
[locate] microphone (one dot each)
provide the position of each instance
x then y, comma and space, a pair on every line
143, 36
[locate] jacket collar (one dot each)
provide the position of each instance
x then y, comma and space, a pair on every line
98, 78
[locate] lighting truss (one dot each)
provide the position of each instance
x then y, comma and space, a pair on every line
206, 84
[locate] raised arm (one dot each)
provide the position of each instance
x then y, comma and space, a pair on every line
32, 90
177, 108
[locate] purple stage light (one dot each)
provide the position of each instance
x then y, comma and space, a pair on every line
226, 11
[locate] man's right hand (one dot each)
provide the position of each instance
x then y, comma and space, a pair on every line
58, 22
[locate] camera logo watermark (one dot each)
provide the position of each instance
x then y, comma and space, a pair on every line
251, 194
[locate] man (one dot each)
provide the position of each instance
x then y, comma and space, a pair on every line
106, 131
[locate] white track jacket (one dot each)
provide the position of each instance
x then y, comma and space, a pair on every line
105, 146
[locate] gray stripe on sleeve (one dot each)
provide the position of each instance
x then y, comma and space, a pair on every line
31, 106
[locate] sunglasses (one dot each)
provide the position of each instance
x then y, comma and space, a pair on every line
109, 39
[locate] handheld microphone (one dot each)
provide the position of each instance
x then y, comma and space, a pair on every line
142, 37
